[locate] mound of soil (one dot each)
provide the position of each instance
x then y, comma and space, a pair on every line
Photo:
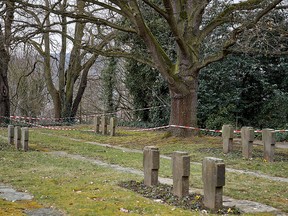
163, 193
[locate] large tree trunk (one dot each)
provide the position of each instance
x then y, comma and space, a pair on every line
183, 93
57, 106
184, 110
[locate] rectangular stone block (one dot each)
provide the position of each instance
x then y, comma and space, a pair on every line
104, 123
181, 163
25, 138
151, 164
17, 137
227, 132
151, 157
97, 122
227, 136
247, 138
155, 156
268, 138
213, 176
181, 173
220, 175
185, 166
10, 134
113, 122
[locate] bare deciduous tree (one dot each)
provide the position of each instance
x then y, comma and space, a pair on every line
59, 40
204, 31
26, 83
7, 14
192, 23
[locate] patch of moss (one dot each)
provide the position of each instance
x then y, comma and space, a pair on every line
17, 208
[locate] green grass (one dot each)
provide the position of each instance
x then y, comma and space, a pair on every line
198, 148
239, 186
16, 208
75, 187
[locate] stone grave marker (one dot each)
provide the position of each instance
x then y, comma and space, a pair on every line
113, 122
151, 163
10, 134
227, 136
25, 138
268, 138
97, 122
247, 138
213, 175
104, 123
181, 173
17, 137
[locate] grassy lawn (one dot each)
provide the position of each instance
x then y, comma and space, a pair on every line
75, 186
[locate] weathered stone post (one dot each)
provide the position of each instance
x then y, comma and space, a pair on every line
113, 122
181, 173
10, 134
213, 175
25, 138
151, 165
227, 136
104, 125
17, 137
97, 122
268, 138
247, 138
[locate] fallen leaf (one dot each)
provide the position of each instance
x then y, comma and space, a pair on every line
124, 210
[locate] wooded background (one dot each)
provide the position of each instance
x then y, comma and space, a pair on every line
157, 62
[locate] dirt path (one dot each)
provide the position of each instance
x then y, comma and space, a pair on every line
282, 145
252, 173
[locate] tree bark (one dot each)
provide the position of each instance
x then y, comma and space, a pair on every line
5, 40
186, 21
4, 87
184, 110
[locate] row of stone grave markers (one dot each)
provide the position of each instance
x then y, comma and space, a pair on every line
104, 125
18, 136
247, 138
213, 175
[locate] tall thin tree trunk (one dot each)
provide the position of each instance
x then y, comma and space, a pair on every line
4, 87
5, 41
